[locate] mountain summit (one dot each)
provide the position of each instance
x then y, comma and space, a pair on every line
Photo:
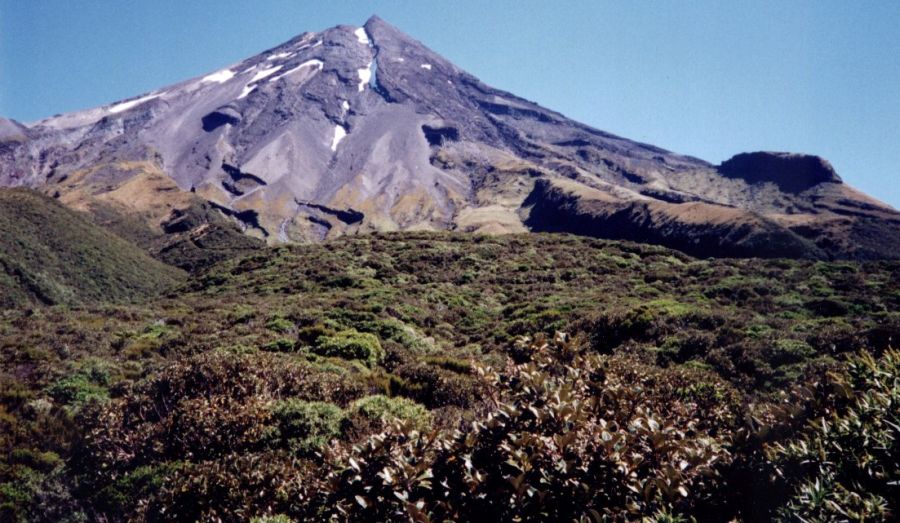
359, 129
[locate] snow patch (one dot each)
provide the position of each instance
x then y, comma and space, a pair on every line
365, 75
426, 66
276, 56
303, 46
261, 75
339, 134
265, 73
313, 62
309, 63
219, 76
247, 90
124, 106
362, 36
345, 105
282, 231
400, 59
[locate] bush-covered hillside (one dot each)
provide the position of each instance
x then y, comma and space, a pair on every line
418, 376
52, 255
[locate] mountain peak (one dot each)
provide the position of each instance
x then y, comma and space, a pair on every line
376, 25
394, 41
375, 20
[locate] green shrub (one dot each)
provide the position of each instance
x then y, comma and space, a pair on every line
790, 351
279, 324
452, 364
80, 388
15, 495
154, 331
13, 393
35, 496
380, 408
42, 461
238, 349
241, 314
393, 330
308, 335
351, 345
279, 345
306, 426
133, 487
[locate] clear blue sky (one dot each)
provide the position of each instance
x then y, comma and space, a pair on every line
706, 78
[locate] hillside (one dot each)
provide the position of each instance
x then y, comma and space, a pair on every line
270, 383
50, 254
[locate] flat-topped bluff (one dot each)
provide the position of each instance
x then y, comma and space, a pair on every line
360, 129
790, 172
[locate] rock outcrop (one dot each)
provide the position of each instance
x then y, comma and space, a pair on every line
790, 172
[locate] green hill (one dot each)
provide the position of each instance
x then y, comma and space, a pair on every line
52, 255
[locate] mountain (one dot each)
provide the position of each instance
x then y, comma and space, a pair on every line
50, 254
360, 129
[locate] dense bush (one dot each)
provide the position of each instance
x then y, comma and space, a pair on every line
351, 345
202, 412
577, 436
79, 388
570, 438
845, 465
437, 386
279, 324
279, 518
235, 488
220, 401
306, 426
380, 410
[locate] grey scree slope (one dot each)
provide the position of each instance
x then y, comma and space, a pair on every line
355, 129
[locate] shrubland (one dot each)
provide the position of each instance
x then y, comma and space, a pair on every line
424, 377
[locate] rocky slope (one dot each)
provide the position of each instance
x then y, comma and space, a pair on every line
358, 129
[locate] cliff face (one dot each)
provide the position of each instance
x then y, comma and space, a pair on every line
357, 129
793, 173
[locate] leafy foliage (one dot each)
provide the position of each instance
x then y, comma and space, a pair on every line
847, 462
569, 438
